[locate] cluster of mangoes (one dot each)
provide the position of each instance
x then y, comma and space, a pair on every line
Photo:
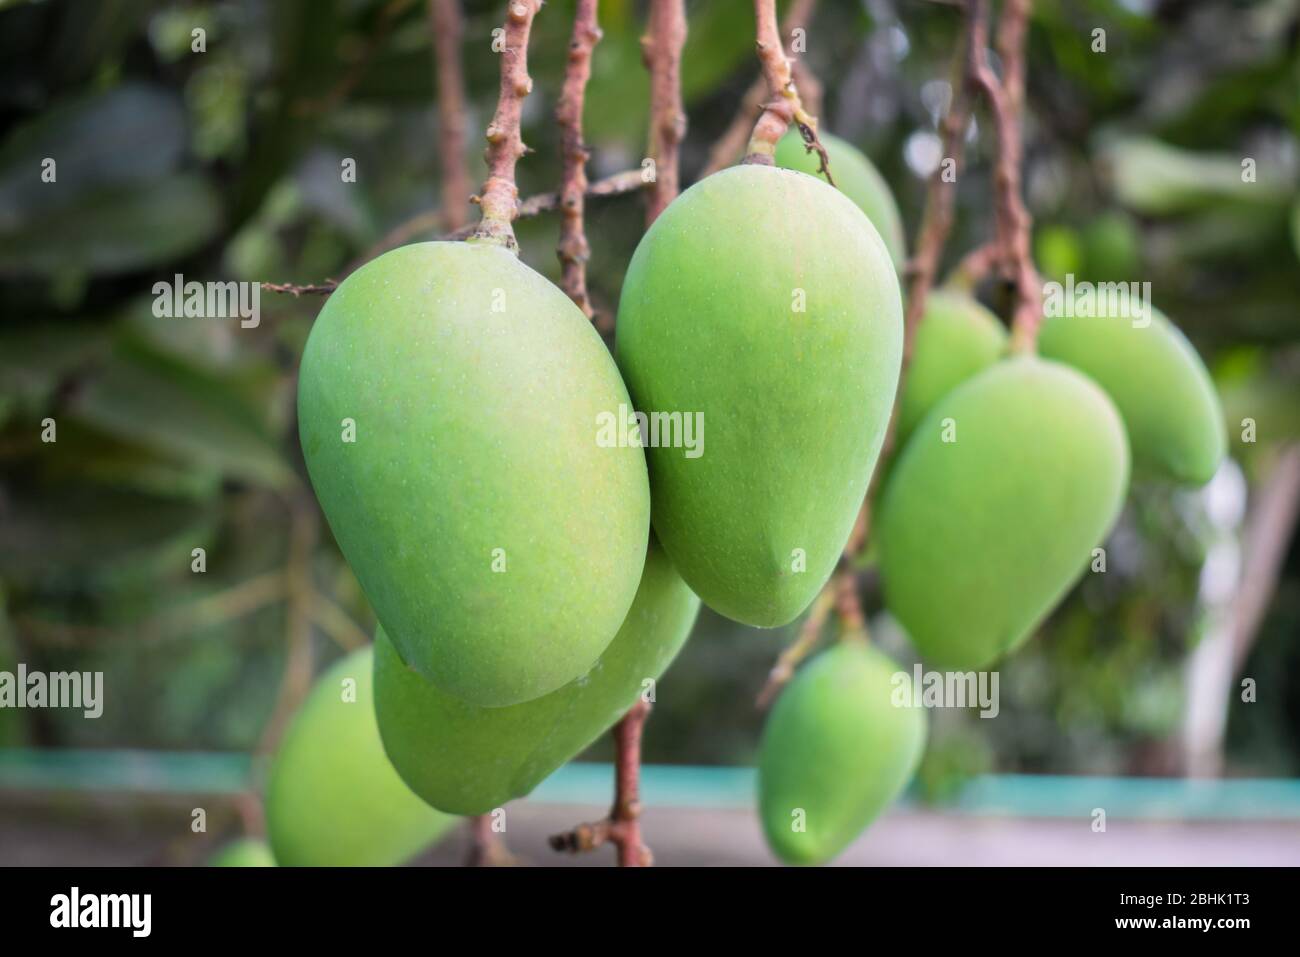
449, 404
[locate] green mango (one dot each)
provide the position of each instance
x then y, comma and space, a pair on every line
1112, 245
245, 852
857, 177
956, 338
993, 509
469, 760
1162, 389
332, 798
836, 751
499, 541
762, 303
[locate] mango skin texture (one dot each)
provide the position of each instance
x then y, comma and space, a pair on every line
245, 852
855, 176
794, 403
1159, 384
836, 747
956, 338
333, 799
469, 760
980, 538
476, 448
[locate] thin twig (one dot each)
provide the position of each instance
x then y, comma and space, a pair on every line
784, 105
296, 681
336, 623
387, 17
487, 847
731, 145
622, 827
573, 249
1006, 100
232, 603
809, 635
617, 184
661, 49
500, 197
295, 290
448, 27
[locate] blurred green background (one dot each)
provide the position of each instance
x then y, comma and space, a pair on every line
175, 434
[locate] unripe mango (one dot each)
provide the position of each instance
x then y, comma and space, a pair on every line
333, 799
762, 302
245, 852
993, 509
956, 338
836, 751
1157, 381
855, 176
470, 760
499, 543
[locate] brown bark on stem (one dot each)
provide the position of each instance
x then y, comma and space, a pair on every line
1006, 102
573, 249
500, 196
487, 848
784, 105
622, 827
448, 27
661, 50
617, 184
731, 145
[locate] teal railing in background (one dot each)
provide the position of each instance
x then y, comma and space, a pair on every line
999, 795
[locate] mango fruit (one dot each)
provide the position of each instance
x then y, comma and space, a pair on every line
993, 508
763, 304
836, 751
332, 798
448, 409
244, 852
1162, 389
956, 338
469, 760
855, 176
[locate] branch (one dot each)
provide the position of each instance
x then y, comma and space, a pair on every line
616, 184
296, 682
448, 27
1268, 532
1006, 101
387, 17
731, 144
784, 107
622, 827
312, 289
661, 50
810, 633
488, 849
573, 249
500, 195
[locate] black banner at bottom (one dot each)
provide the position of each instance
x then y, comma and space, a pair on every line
216, 905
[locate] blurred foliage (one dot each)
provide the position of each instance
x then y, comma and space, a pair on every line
177, 434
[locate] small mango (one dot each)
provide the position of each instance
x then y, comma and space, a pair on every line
469, 760
993, 509
837, 749
762, 305
857, 177
333, 799
1162, 389
448, 409
956, 338
245, 852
